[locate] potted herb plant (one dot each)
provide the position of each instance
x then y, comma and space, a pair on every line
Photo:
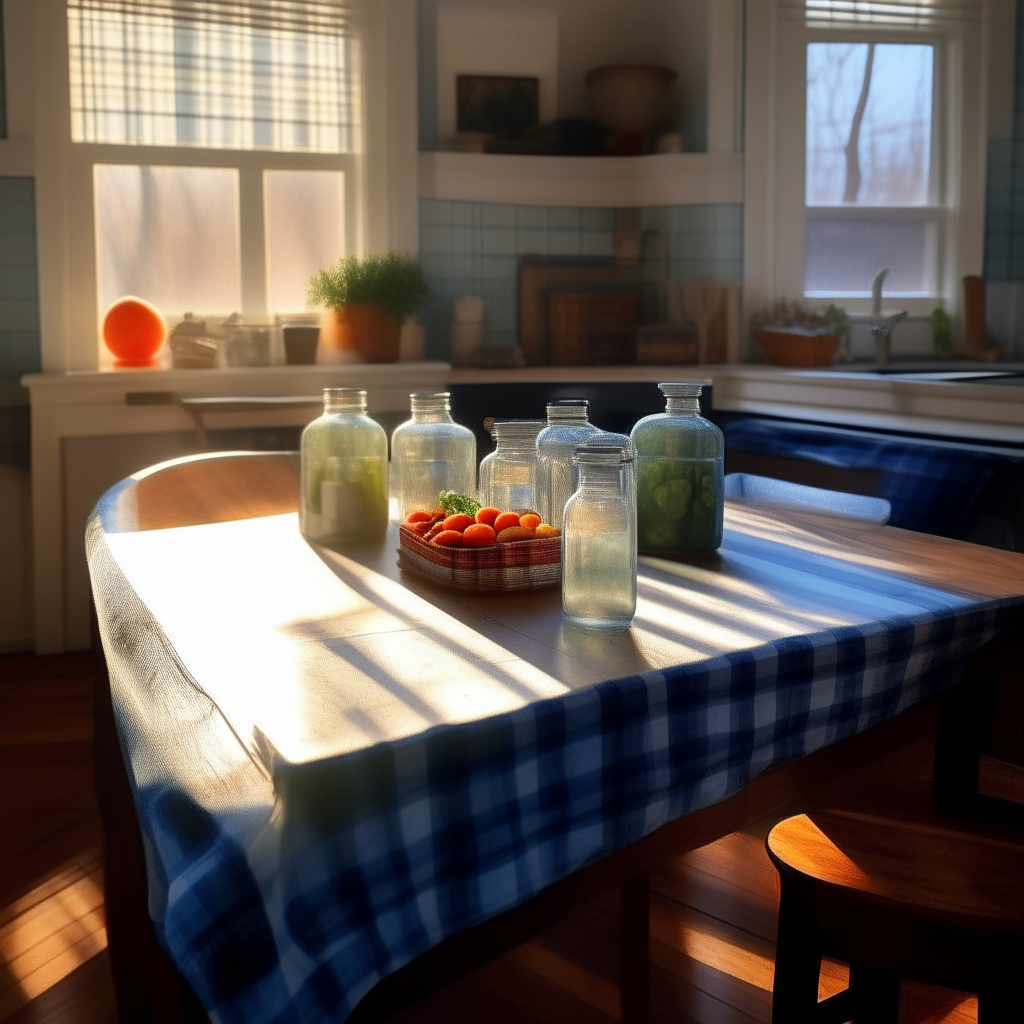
792, 334
367, 300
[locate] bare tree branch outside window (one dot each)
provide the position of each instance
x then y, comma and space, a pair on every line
852, 147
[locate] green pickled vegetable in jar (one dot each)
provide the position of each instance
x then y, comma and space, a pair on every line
680, 478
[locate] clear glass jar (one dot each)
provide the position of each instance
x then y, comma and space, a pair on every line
557, 478
680, 482
431, 453
508, 476
344, 473
599, 540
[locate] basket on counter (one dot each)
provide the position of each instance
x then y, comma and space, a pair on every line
795, 348
514, 565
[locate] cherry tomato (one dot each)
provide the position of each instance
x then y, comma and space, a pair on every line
487, 515
504, 521
479, 536
530, 520
419, 517
459, 521
449, 539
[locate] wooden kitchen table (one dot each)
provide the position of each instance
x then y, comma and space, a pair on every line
353, 785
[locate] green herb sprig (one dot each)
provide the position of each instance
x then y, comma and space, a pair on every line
451, 503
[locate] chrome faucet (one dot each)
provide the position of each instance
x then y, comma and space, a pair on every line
881, 323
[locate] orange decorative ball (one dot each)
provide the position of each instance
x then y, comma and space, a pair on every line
133, 331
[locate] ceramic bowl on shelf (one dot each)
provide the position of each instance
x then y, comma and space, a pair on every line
630, 97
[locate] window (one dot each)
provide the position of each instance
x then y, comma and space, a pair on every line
853, 164
219, 138
871, 183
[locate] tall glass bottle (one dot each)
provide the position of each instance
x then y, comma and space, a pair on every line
599, 540
344, 473
508, 476
680, 488
557, 478
431, 453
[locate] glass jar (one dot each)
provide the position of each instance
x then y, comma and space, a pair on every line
557, 478
431, 453
680, 488
508, 476
599, 540
344, 473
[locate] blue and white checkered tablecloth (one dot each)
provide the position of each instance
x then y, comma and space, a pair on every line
285, 893
933, 487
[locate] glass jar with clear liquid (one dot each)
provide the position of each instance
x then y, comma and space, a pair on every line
557, 478
680, 481
599, 540
508, 476
431, 453
344, 476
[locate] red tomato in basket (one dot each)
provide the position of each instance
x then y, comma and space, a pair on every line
504, 521
458, 522
479, 536
449, 539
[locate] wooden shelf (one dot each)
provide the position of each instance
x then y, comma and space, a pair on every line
664, 179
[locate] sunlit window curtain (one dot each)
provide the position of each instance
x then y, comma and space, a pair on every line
270, 74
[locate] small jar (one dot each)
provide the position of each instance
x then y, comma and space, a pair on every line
344, 473
508, 476
680, 476
557, 478
431, 453
599, 540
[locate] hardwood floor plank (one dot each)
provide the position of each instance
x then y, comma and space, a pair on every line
85, 996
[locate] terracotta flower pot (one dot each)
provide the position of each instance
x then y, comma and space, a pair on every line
364, 329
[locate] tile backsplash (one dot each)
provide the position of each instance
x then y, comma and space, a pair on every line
19, 314
471, 248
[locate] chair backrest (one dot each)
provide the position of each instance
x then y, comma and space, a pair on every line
207, 488
782, 492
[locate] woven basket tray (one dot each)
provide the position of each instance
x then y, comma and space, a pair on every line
517, 565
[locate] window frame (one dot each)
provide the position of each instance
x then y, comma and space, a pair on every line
774, 168
380, 178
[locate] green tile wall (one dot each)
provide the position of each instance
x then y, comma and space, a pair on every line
19, 314
474, 249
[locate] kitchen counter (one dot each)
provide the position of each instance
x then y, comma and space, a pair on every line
910, 398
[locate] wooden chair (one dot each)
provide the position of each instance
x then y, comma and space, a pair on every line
895, 898
783, 492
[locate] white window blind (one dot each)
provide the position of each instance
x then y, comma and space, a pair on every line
276, 75
893, 14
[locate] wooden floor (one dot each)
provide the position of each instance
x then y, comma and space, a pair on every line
713, 910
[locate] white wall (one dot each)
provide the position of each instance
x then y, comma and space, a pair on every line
592, 33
